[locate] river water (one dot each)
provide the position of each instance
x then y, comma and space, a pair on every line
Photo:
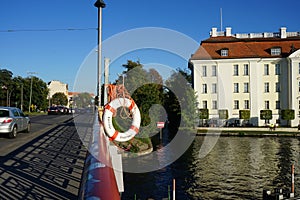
236, 168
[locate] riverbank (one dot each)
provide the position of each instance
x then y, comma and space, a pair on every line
248, 131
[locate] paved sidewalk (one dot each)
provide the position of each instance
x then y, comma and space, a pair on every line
48, 167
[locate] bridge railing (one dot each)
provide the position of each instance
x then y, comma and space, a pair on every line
100, 180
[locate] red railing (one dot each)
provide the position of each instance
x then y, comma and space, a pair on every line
99, 181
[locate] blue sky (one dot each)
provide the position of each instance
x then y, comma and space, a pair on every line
58, 55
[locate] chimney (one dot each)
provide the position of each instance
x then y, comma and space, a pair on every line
228, 32
213, 32
283, 32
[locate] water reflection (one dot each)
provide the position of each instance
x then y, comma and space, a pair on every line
236, 168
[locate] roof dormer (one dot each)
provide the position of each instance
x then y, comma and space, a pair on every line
276, 51
224, 52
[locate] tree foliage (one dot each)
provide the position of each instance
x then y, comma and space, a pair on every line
244, 114
59, 98
15, 91
180, 100
146, 89
203, 113
288, 115
266, 115
83, 100
223, 114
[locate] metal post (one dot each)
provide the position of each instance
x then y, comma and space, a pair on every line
99, 4
106, 79
293, 179
22, 97
7, 97
174, 189
30, 95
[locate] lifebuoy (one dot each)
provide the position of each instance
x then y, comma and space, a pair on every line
109, 111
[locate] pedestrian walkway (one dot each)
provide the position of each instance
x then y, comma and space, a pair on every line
48, 167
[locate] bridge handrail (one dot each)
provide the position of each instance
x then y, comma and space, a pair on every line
98, 179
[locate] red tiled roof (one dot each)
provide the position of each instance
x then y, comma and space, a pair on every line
245, 48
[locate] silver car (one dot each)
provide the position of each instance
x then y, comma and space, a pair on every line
12, 121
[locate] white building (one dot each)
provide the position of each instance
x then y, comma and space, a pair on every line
57, 86
255, 71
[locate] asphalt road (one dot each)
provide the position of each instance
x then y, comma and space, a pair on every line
46, 163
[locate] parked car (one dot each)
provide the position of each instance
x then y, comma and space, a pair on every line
12, 121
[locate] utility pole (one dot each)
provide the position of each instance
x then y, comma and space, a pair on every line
30, 95
22, 97
99, 4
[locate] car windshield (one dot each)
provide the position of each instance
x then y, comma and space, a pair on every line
4, 113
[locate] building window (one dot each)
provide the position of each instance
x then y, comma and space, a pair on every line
266, 69
299, 104
236, 88
246, 69
267, 105
276, 51
277, 86
246, 104
299, 86
236, 104
204, 88
277, 69
246, 87
277, 104
299, 69
214, 70
224, 52
204, 73
214, 105
214, 88
267, 89
204, 104
235, 70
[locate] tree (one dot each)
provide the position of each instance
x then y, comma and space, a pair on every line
5, 86
266, 115
203, 114
244, 114
83, 100
223, 114
59, 98
180, 100
288, 115
145, 87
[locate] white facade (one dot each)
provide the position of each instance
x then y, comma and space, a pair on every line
254, 84
56, 87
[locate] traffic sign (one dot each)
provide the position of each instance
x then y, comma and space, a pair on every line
160, 124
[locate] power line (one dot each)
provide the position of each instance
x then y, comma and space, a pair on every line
46, 30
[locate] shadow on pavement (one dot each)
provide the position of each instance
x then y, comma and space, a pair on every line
48, 167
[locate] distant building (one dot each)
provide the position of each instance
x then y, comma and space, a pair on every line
57, 86
252, 71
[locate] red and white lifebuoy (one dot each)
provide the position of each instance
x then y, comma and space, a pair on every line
109, 111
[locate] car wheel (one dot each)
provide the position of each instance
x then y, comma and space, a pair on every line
13, 134
27, 130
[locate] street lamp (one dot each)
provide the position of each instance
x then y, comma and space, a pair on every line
99, 4
31, 73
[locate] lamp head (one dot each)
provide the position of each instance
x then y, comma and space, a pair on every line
99, 3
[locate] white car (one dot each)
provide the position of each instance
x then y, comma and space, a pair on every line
12, 121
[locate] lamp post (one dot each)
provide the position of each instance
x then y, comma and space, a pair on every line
30, 95
99, 4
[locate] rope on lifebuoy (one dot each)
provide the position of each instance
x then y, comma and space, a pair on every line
111, 109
